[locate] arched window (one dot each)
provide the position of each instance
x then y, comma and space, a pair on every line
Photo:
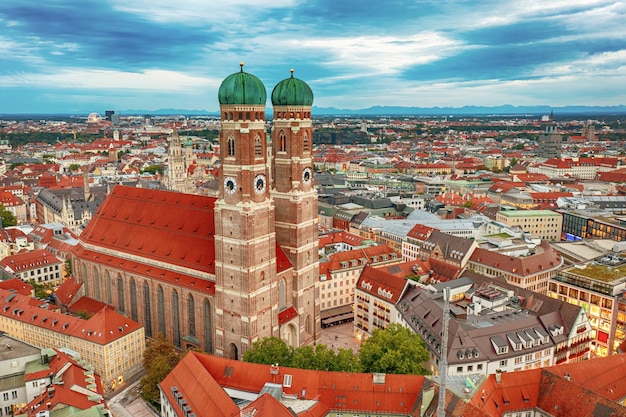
161, 311
231, 146
307, 324
147, 313
191, 313
305, 143
96, 283
176, 319
86, 281
120, 294
282, 294
258, 146
133, 300
283, 142
108, 289
208, 331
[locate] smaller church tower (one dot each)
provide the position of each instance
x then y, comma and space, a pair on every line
176, 167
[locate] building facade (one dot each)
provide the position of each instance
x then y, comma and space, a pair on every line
543, 224
598, 287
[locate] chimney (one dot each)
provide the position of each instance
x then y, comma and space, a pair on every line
498, 376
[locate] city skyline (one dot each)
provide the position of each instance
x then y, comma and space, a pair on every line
69, 56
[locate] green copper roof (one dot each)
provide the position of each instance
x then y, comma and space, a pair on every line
242, 88
292, 91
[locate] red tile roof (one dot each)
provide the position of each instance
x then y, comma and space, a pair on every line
381, 284
175, 228
102, 328
286, 315
201, 379
67, 291
87, 305
26, 261
18, 286
545, 260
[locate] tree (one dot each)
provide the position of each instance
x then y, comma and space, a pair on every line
74, 167
67, 266
347, 361
159, 358
152, 169
395, 350
269, 350
8, 219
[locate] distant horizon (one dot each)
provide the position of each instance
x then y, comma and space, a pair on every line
68, 56
467, 110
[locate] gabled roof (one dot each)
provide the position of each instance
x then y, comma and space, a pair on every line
169, 227
547, 259
381, 284
25, 261
18, 286
202, 379
67, 291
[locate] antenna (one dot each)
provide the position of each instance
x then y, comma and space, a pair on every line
443, 364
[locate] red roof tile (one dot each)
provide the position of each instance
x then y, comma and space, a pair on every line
175, 228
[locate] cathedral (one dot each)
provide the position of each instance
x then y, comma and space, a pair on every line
217, 274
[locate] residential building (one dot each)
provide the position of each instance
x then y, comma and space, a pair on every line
14, 356
112, 343
61, 382
39, 265
376, 294
532, 272
495, 327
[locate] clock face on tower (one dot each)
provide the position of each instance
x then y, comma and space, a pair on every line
259, 183
230, 185
307, 175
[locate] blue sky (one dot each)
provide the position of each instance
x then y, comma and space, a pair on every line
92, 55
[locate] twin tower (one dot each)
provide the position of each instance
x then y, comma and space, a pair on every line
266, 223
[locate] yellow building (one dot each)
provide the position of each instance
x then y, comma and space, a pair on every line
543, 224
112, 343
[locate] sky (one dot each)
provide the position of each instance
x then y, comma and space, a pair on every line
79, 56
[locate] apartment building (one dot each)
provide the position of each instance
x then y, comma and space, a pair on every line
112, 343
39, 265
495, 327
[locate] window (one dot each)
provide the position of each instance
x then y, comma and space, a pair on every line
459, 369
176, 318
14, 395
287, 380
5, 396
191, 315
231, 146
503, 362
305, 143
282, 139
258, 146
146, 310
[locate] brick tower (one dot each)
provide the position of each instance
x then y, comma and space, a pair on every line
245, 243
295, 199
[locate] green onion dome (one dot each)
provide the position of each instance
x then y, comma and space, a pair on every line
242, 88
292, 92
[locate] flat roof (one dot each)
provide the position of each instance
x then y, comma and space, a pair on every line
529, 213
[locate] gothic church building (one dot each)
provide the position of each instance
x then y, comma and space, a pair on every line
220, 273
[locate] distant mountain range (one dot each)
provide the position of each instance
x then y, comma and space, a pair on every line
506, 109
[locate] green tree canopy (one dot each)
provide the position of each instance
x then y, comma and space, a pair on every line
159, 358
8, 219
74, 167
152, 169
269, 350
395, 350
